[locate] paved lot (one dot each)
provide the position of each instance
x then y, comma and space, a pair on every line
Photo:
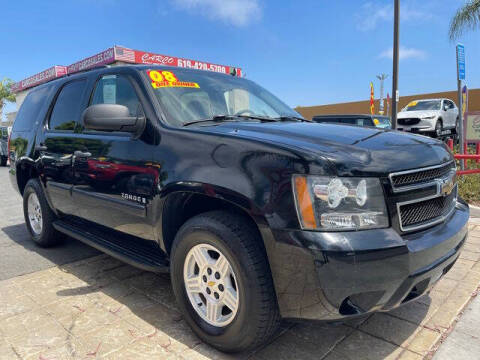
99, 307
464, 341
17, 252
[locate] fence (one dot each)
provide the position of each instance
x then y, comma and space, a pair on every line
464, 157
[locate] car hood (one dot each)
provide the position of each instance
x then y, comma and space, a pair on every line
417, 114
352, 150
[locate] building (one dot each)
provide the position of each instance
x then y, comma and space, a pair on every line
114, 56
363, 107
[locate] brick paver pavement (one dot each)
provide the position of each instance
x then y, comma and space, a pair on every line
102, 308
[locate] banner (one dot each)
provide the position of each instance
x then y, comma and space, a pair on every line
121, 54
464, 101
388, 104
103, 58
372, 99
40, 78
143, 57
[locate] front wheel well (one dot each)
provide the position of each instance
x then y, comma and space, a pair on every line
180, 207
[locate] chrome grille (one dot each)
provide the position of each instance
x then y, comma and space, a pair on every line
416, 177
416, 212
408, 121
425, 211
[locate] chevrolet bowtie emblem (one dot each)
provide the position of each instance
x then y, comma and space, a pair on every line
211, 283
446, 185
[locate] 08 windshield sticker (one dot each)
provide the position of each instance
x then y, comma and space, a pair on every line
164, 79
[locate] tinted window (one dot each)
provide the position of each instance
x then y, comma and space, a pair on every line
30, 109
4, 133
116, 89
327, 120
450, 104
68, 106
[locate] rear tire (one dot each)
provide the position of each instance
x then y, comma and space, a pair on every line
3, 161
255, 317
39, 217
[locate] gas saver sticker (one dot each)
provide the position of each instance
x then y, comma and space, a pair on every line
161, 79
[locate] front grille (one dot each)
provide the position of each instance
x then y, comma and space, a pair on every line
421, 176
408, 121
424, 212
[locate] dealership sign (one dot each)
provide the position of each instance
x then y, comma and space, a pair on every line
103, 58
472, 127
122, 54
143, 57
37, 79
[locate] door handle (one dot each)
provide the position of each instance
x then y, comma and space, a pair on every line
79, 153
41, 147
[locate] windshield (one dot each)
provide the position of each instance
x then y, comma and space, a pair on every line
424, 105
188, 95
382, 122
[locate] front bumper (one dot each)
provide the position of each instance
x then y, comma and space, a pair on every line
331, 276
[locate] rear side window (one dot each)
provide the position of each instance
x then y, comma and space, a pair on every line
68, 106
30, 109
4, 133
116, 89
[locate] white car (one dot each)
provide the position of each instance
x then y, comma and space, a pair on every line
430, 116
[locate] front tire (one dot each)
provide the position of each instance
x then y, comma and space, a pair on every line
222, 281
39, 217
3, 161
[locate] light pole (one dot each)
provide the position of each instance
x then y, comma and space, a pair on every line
396, 40
382, 78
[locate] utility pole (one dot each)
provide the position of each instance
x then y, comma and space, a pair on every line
396, 40
382, 78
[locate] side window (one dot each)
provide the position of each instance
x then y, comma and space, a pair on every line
116, 89
30, 109
68, 107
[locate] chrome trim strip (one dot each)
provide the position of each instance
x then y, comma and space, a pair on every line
430, 223
433, 182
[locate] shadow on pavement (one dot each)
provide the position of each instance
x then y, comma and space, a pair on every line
20, 255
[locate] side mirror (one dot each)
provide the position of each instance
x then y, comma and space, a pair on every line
112, 117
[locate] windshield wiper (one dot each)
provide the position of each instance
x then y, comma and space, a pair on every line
220, 118
295, 118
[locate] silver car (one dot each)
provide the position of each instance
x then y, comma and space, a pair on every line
435, 117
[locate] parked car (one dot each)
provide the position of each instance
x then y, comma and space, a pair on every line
435, 117
257, 213
4, 133
379, 121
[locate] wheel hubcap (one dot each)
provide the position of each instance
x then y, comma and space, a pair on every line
35, 214
211, 285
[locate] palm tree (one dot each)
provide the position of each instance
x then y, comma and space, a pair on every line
467, 17
6, 93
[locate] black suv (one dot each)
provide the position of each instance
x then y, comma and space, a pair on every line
257, 213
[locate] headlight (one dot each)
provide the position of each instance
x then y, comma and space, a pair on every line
428, 117
333, 203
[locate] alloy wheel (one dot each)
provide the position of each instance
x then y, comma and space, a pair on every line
211, 285
35, 214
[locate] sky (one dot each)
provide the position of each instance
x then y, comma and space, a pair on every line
307, 52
